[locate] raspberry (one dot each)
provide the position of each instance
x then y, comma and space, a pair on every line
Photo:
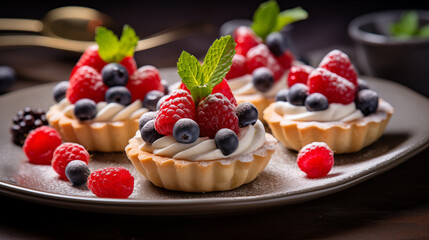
86, 83
260, 56
299, 74
112, 182
315, 159
238, 67
175, 106
222, 87
66, 153
286, 59
130, 64
337, 89
214, 113
338, 62
40, 144
89, 58
245, 39
145, 79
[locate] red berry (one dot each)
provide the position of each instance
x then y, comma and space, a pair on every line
86, 83
176, 106
130, 64
143, 80
222, 87
66, 153
338, 62
299, 74
316, 159
286, 59
238, 67
89, 58
245, 39
337, 89
214, 113
261, 56
112, 182
40, 144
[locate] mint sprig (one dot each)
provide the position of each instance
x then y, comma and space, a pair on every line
201, 79
112, 49
408, 26
268, 18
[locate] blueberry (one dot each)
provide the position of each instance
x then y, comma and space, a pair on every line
151, 99
297, 94
226, 140
146, 117
85, 109
118, 94
316, 102
186, 130
149, 133
282, 95
165, 85
60, 90
77, 172
367, 101
7, 77
276, 43
362, 84
114, 74
263, 79
247, 114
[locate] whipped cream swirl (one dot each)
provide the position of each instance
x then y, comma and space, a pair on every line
335, 112
107, 111
250, 139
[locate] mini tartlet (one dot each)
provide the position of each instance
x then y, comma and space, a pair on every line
200, 140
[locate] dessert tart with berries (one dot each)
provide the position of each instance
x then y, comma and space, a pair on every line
200, 140
331, 105
99, 107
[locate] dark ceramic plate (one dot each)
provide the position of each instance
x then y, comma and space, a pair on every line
281, 183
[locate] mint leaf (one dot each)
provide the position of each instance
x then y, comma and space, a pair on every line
127, 43
424, 31
289, 16
190, 70
108, 43
265, 18
406, 26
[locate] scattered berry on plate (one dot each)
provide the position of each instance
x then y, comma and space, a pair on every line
367, 101
262, 79
151, 99
77, 172
25, 121
40, 144
146, 117
238, 67
282, 95
339, 63
299, 74
148, 132
60, 90
85, 109
186, 130
65, 153
226, 140
114, 74
118, 94
86, 83
276, 43
245, 39
7, 78
112, 182
247, 114
316, 102
145, 79
316, 159
297, 94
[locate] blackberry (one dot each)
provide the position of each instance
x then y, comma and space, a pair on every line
25, 121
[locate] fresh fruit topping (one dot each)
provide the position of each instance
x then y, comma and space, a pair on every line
186, 130
247, 114
145, 79
89, 58
25, 121
362, 84
316, 102
77, 172
260, 56
118, 94
146, 117
112, 182
226, 140
166, 90
262, 79
114, 74
86, 83
40, 145
245, 39
222, 87
338, 62
130, 64
334, 87
149, 133
176, 106
238, 67
316, 159
297, 94
7, 78
214, 113
151, 99
367, 101
85, 109
65, 153
59, 91
282, 95
299, 74
285, 60
276, 43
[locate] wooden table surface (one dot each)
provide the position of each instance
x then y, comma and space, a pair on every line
393, 205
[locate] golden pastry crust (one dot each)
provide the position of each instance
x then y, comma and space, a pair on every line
95, 136
342, 137
200, 176
261, 102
